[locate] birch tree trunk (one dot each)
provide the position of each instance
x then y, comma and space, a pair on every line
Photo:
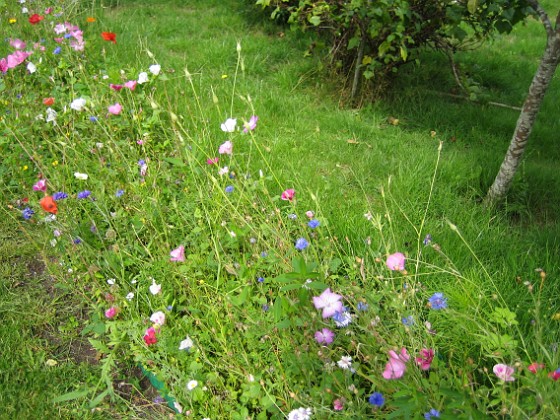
539, 85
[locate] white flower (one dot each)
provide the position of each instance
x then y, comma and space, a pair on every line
111, 281
99, 145
155, 288
78, 104
31, 68
186, 344
51, 115
53, 242
300, 414
59, 29
192, 385
158, 318
24, 10
345, 362
130, 296
223, 171
229, 125
142, 78
178, 407
368, 215
155, 69
81, 176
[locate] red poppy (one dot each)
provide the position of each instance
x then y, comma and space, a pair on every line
34, 19
109, 36
49, 205
48, 101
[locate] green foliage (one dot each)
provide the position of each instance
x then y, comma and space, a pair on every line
385, 34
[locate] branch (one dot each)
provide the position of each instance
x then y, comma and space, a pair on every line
544, 17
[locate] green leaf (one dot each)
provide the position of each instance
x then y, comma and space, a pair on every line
471, 6
95, 402
74, 395
315, 20
175, 162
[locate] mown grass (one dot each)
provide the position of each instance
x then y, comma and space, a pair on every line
351, 161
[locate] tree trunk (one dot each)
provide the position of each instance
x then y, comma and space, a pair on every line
539, 85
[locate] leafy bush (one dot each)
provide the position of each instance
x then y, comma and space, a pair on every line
379, 36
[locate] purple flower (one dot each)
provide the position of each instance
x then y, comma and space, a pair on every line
433, 413
376, 399
313, 223
329, 302
301, 244
57, 50
77, 241
27, 213
119, 193
362, 306
427, 240
229, 189
84, 194
324, 336
438, 301
251, 125
59, 196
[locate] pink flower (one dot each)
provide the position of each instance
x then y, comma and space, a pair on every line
288, 195
131, 84
150, 336
251, 125
212, 161
16, 58
226, 148
338, 404
329, 302
111, 312
396, 365
115, 109
396, 261
504, 372
425, 359
178, 254
325, 336
18, 44
309, 214
41, 185
158, 318
534, 367
3, 65
555, 375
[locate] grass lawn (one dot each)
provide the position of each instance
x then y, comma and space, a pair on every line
78, 327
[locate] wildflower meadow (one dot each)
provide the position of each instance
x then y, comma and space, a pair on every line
207, 261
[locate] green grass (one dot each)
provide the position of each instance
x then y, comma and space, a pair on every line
343, 163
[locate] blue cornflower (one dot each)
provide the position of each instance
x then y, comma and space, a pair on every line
59, 196
57, 50
376, 399
67, 36
141, 162
27, 213
438, 301
313, 223
433, 413
427, 239
264, 254
343, 318
93, 118
77, 241
260, 279
292, 216
229, 189
362, 306
84, 194
93, 228
119, 193
301, 244
265, 307
408, 321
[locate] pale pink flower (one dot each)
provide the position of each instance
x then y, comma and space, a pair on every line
158, 318
324, 336
16, 58
310, 214
155, 288
115, 109
40, 185
288, 195
425, 359
338, 404
396, 261
329, 302
251, 124
59, 29
178, 254
18, 44
504, 372
226, 148
396, 365
131, 84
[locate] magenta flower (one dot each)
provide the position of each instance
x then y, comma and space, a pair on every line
40, 185
288, 195
115, 87
338, 404
425, 359
329, 302
396, 261
251, 125
535, 367
226, 148
396, 365
504, 372
178, 254
111, 312
324, 336
212, 161
115, 109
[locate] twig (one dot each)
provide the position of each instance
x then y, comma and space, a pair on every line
498, 104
